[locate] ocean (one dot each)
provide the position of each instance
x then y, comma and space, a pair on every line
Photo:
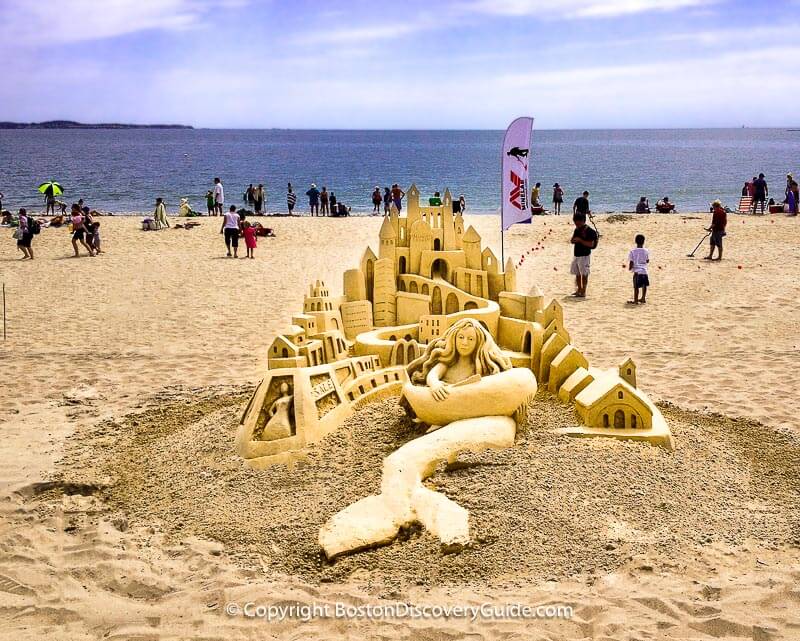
124, 170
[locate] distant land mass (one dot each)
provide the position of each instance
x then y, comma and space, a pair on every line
71, 124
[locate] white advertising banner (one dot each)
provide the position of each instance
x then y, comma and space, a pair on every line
516, 146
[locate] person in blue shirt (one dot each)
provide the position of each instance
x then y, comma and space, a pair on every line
313, 199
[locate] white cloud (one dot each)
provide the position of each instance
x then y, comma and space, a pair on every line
47, 22
549, 9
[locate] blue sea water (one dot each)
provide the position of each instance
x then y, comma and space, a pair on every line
124, 170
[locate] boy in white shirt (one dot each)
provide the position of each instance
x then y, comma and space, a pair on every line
638, 259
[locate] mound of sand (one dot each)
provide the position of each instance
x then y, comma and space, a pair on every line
549, 508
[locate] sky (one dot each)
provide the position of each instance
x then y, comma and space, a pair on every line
415, 64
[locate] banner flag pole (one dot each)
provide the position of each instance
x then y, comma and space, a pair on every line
514, 174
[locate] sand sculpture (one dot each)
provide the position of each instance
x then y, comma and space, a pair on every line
433, 319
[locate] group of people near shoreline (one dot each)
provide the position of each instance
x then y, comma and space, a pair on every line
663, 206
757, 190
85, 229
321, 202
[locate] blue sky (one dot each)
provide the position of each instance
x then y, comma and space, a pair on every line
411, 64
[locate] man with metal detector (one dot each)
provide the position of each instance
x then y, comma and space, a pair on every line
584, 240
719, 220
581, 206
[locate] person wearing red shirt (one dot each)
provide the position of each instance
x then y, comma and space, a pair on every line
719, 220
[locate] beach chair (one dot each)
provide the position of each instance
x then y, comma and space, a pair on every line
745, 204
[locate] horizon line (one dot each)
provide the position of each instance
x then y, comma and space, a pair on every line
111, 125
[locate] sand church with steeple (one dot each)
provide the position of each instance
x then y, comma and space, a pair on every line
430, 242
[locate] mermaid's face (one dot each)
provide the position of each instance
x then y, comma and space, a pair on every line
466, 340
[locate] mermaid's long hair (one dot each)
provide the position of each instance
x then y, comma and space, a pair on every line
488, 357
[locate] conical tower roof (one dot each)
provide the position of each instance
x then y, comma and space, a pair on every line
387, 230
471, 236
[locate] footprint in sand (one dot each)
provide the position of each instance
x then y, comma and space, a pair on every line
12, 586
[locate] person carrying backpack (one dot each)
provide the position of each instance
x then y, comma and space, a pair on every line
27, 225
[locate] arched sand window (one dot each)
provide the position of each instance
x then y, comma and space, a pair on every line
619, 420
633, 421
285, 353
605, 420
620, 395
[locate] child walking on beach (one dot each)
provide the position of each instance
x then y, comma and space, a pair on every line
250, 241
638, 259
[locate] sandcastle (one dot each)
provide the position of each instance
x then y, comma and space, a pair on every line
433, 319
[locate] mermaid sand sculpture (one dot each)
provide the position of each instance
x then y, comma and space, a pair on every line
466, 390
435, 318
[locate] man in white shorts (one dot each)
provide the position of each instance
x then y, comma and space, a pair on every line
584, 240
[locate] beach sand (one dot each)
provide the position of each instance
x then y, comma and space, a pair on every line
126, 513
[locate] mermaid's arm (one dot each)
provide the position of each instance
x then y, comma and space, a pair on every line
434, 381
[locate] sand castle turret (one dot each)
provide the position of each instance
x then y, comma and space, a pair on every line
412, 205
388, 238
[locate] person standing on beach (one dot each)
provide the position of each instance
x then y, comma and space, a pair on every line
387, 200
258, 199
210, 202
78, 231
638, 259
462, 203
219, 197
397, 197
230, 227
291, 199
793, 198
25, 233
377, 199
584, 240
249, 196
160, 214
719, 220
333, 203
558, 198
88, 226
760, 193
250, 242
323, 199
581, 205
1, 201
50, 203
313, 200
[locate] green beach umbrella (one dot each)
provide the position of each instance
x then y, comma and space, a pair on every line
51, 188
